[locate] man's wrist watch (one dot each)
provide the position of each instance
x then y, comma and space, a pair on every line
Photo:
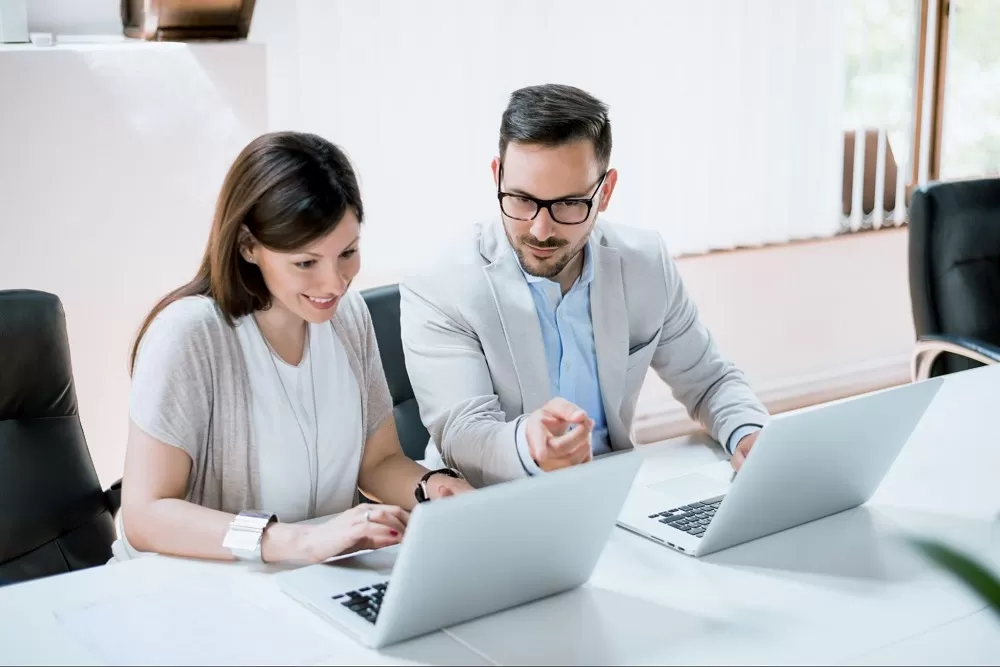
246, 533
421, 491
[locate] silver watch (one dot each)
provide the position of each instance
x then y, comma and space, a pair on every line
245, 535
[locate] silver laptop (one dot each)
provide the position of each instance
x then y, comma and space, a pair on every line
474, 554
805, 465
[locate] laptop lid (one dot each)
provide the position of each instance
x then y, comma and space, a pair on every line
818, 461
504, 545
476, 553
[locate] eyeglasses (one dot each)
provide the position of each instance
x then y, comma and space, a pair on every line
567, 211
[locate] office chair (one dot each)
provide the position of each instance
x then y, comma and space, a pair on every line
954, 247
383, 302
54, 515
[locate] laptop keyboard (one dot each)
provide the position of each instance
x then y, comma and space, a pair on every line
693, 519
365, 602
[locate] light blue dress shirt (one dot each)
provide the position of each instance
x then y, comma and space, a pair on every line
571, 356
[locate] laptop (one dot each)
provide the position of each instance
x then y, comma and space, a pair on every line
473, 554
805, 465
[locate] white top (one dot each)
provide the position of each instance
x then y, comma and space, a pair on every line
284, 415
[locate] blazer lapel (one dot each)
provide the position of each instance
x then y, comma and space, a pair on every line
520, 322
610, 319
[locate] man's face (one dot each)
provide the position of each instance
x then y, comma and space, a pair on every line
569, 172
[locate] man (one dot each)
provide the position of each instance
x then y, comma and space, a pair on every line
528, 345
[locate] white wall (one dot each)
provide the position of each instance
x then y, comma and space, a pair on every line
111, 160
806, 322
78, 17
726, 115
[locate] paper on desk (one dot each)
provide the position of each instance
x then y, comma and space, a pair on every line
199, 623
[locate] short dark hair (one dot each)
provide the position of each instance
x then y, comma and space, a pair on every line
553, 114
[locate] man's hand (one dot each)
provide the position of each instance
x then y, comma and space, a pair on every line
441, 485
558, 435
742, 450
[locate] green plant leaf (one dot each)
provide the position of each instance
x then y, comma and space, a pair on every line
974, 575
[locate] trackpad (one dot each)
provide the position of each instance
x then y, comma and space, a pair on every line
694, 486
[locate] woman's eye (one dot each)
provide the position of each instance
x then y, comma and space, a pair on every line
306, 264
347, 254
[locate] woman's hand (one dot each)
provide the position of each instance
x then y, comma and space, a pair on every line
367, 526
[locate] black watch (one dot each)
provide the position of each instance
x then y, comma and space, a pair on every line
421, 491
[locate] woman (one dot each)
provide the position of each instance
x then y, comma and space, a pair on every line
259, 384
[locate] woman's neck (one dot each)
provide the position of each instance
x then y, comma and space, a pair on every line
284, 331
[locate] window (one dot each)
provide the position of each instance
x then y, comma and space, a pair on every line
880, 58
921, 103
970, 131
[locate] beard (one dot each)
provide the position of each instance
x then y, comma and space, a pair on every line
550, 267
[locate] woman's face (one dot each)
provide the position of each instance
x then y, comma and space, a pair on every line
310, 281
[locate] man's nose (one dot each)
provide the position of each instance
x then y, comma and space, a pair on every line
542, 226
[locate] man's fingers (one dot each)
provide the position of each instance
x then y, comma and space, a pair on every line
581, 455
737, 461
538, 437
554, 425
560, 435
568, 443
563, 409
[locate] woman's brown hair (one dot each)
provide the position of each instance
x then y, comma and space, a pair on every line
287, 189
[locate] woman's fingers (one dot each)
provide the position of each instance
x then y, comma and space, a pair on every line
374, 535
391, 517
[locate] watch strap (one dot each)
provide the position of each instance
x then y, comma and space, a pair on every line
245, 534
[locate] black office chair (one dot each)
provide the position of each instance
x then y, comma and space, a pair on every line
54, 515
383, 302
954, 234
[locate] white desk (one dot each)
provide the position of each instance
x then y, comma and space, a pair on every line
31, 634
972, 640
840, 590
843, 589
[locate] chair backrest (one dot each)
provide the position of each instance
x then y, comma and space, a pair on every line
954, 230
54, 516
383, 303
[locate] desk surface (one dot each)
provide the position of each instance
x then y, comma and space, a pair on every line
842, 590
31, 633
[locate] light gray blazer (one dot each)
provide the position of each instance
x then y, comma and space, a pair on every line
475, 356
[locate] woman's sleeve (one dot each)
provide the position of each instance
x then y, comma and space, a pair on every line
171, 394
379, 399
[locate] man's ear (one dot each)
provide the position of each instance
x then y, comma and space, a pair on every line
608, 189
